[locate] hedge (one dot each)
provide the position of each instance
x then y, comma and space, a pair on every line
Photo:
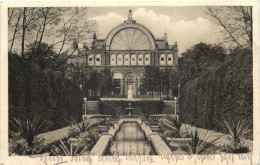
109, 107
34, 92
223, 94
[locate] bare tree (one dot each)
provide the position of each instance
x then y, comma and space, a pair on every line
29, 17
236, 22
14, 13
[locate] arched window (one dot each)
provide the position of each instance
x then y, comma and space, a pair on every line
127, 59
169, 59
147, 59
91, 59
133, 59
119, 59
140, 59
162, 59
98, 59
117, 83
113, 59
129, 82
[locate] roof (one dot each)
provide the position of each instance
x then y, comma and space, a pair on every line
98, 44
161, 44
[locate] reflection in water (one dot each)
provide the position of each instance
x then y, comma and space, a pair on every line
130, 140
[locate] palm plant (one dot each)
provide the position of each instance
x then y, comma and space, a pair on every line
85, 125
145, 114
154, 119
170, 121
236, 132
29, 129
199, 142
67, 148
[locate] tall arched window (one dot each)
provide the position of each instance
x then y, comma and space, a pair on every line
119, 59
113, 59
98, 59
147, 59
129, 81
162, 59
117, 83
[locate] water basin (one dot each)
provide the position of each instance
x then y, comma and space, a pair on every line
130, 140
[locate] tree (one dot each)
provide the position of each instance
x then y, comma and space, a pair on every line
44, 56
199, 59
107, 81
94, 82
14, 13
152, 79
59, 27
236, 22
165, 80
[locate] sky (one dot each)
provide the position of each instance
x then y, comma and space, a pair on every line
185, 25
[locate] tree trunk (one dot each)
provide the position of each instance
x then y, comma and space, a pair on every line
24, 30
15, 30
35, 43
11, 16
43, 29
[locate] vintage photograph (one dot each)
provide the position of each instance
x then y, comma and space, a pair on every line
130, 80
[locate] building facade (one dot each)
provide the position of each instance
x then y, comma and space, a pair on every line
127, 49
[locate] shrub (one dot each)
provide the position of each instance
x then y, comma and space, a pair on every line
84, 142
140, 107
239, 149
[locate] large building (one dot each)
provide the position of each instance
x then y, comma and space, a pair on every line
127, 49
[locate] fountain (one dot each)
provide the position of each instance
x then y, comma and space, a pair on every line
130, 109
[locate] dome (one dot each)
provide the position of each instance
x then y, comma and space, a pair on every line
130, 36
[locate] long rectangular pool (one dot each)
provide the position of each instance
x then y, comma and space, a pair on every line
130, 140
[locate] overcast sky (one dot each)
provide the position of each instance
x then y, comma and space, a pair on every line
185, 25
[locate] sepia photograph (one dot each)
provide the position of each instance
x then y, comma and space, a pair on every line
130, 80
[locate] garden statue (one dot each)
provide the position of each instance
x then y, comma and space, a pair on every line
130, 92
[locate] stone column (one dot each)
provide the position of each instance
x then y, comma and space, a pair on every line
136, 86
123, 59
130, 59
123, 87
